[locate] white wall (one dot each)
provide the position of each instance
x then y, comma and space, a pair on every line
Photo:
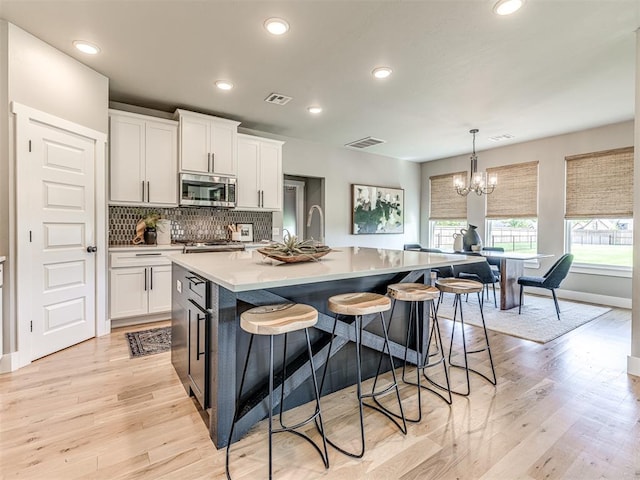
550, 153
37, 75
341, 167
633, 363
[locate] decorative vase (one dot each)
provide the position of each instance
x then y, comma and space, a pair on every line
470, 237
457, 242
163, 235
150, 236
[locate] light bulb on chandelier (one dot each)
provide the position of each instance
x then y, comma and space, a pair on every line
478, 182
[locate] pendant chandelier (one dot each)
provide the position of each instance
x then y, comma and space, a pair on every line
478, 181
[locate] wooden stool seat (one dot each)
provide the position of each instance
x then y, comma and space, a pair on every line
412, 292
458, 286
362, 303
278, 319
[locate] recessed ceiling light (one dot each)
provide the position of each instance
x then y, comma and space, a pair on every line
276, 26
381, 72
86, 47
315, 109
507, 7
224, 85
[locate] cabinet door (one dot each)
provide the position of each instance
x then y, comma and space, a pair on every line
128, 292
195, 143
159, 289
126, 159
161, 166
223, 148
248, 167
271, 175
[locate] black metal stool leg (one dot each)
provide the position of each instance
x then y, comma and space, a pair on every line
237, 409
394, 386
486, 348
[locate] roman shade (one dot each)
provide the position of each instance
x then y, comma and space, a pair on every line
516, 195
600, 184
445, 203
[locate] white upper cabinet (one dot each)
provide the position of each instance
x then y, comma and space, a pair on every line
207, 144
259, 173
143, 160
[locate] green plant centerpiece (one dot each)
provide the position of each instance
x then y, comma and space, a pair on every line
291, 250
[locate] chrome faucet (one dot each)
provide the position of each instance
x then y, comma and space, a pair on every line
310, 217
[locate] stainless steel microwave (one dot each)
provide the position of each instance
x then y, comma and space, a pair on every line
207, 190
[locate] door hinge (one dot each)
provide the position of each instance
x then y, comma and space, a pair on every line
29, 146
31, 325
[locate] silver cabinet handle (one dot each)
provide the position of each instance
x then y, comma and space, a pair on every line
258, 197
151, 278
145, 279
147, 254
208, 162
213, 162
143, 190
262, 202
148, 192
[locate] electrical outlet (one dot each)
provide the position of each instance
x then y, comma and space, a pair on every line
179, 286
275, 231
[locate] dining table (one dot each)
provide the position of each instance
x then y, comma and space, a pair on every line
511, 268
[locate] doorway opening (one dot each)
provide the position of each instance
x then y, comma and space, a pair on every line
300, 195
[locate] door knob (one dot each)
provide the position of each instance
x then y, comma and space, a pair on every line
92, 249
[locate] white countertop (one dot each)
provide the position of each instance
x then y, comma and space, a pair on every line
249, 270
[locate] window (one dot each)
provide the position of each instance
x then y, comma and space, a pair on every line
599, 208
447, 211
513, 234
512, 209
442, 232
601, 241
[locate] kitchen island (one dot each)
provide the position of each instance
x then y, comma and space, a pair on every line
208, 346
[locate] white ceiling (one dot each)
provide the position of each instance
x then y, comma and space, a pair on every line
555, 66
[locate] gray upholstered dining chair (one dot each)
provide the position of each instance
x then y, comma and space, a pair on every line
550, 280
480, 272
494, 262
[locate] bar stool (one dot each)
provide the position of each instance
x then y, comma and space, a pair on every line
357, 305
417, 293
460, 287
274, 320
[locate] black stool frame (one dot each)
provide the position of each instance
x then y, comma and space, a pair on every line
423, 359
316, 417
361, 396
457, 303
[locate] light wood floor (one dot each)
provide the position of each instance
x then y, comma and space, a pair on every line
566, 409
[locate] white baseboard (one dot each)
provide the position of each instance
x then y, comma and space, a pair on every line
633, 366
9, 362
127, 322
598, 299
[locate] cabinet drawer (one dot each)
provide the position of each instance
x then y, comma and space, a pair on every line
139, 259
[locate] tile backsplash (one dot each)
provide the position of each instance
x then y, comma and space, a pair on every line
187, 223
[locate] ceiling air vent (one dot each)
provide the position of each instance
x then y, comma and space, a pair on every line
500, 138
278, 99
365, 142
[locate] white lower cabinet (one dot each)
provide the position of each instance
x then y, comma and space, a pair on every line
140, 284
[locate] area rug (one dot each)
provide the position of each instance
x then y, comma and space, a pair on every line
538, 321
149, 342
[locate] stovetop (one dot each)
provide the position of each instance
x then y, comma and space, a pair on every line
213, 245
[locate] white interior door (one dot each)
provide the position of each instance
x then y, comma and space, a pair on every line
61, 184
